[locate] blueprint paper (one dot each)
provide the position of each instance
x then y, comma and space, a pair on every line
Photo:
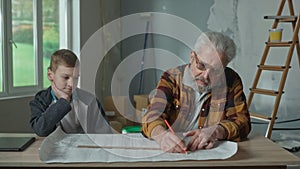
60, 147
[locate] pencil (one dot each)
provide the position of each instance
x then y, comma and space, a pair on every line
117, 147
171, 129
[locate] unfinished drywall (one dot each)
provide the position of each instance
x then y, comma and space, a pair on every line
243, 21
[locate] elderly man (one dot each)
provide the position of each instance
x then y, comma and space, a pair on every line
204, 100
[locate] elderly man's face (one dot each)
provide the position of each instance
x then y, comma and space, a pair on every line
207, 66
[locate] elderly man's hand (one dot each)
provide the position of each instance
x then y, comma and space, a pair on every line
168, 141
205, 138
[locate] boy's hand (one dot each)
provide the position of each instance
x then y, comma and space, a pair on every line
59, 93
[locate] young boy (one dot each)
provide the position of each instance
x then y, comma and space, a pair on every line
65, 105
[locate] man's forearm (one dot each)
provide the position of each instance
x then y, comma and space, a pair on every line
156, 132
221, 132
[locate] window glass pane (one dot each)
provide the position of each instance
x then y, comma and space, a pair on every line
50, 33
1, 49
22, 32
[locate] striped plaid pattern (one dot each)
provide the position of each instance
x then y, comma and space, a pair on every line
175, 102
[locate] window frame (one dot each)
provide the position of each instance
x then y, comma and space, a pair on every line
66, 23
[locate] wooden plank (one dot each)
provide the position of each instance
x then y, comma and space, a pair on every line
265, 91
260, 117
272, 68
283, 18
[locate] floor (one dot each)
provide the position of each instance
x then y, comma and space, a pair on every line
292, 145
297, 154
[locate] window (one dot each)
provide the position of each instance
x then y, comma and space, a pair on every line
30, 31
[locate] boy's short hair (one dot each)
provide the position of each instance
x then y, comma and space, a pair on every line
63, 57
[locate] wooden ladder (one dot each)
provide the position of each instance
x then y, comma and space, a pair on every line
294, 20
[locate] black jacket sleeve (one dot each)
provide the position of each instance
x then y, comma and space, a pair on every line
44, 115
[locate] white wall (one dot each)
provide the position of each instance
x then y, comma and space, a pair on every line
243, 20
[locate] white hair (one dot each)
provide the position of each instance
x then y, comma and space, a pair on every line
220, 42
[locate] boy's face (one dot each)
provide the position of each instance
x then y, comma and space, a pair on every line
64, 78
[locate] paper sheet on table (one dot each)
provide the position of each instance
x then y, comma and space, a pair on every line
60, 147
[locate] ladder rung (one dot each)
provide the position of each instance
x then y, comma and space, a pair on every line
283, 18
279, 44
275, 68
265, 91
260, 117
286, 128
288, 20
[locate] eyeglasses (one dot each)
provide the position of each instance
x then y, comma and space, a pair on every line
201, 66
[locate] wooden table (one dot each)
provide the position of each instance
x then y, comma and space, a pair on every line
257, 152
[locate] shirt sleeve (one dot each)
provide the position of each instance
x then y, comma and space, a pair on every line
44, 118
237, 117
158, 105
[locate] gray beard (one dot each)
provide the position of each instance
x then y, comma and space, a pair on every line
204, 89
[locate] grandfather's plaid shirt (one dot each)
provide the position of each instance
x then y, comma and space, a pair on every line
175, 102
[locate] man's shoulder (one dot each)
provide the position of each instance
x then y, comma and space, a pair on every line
231, 73
173, 75
176, 70
232, 77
